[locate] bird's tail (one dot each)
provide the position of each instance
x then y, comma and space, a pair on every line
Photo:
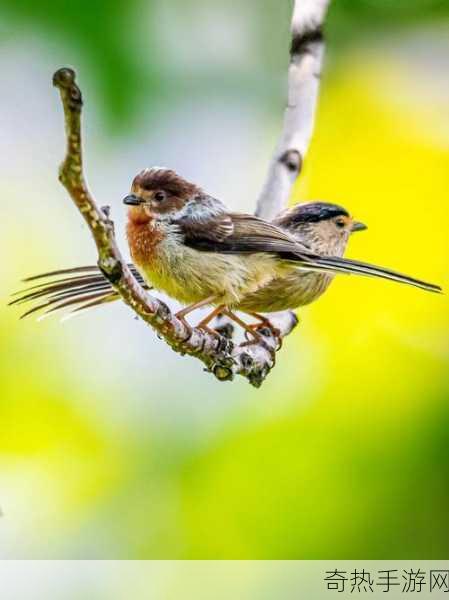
73, 290
332, 264
83, 288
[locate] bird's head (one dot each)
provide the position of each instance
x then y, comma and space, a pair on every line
157, 193
324, 226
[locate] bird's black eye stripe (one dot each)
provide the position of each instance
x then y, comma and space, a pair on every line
340, 224
159, 196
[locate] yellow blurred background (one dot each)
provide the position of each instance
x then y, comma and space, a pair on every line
111, 446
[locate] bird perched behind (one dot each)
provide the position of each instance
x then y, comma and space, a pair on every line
187, 244
323, 227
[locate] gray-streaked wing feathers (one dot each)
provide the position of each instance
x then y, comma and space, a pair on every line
238, 234
251, 234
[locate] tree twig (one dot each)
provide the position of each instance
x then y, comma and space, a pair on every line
306, 60
306, 57
224, 359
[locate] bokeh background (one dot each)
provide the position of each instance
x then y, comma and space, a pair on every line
111, 446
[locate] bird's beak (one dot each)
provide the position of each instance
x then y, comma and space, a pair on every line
133, 200
358, 226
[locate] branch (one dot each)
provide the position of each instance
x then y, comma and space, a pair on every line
221, 357
306, 57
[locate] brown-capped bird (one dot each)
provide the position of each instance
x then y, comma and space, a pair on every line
188, 245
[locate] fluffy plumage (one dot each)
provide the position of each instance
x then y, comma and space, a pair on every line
188, 245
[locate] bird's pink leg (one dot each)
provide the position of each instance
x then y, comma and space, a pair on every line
264, 322
181, 314
204, 324
243, 325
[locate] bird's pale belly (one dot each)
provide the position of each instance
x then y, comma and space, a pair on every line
191, 276
291, 291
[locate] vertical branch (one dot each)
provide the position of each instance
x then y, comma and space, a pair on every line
306, 57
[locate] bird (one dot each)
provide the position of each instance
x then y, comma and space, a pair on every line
187, 244
323, 226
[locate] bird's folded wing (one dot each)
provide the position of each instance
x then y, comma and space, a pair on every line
240, 233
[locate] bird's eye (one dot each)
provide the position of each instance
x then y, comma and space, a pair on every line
159, 196
340, 224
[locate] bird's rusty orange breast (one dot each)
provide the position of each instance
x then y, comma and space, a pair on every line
143, 238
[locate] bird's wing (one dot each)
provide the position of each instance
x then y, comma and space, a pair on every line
240, 233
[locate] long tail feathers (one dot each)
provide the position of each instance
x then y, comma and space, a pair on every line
349, 266
75, 289
82, 288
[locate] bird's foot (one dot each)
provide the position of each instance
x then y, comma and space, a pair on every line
179, 315
265, 329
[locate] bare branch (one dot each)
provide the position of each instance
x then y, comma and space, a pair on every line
251, 360
306, 56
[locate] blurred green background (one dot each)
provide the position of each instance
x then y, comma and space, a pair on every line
111, 446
